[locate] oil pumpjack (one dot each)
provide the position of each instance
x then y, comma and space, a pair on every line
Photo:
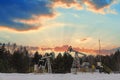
76, 61
48, 63
43, 63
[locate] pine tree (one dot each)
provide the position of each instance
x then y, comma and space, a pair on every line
5, 59
58, 64
67, 59
20, 61
36, 58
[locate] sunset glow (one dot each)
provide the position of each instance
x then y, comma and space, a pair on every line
51, 24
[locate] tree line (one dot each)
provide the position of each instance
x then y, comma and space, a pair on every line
20, 61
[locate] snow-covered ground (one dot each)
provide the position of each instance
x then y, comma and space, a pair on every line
70, 76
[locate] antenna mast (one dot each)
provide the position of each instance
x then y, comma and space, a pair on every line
100, 49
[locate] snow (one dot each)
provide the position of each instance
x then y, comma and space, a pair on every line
70, 76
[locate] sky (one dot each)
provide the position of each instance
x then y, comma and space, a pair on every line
53, 23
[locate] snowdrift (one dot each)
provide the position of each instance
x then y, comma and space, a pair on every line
70, 76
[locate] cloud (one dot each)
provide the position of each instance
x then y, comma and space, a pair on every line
13, 10
61, 48
45, 49
36, 21
66, 4
64, 48
97, 6
24, 15
84, 39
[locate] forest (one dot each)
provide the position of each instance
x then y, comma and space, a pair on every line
20, 61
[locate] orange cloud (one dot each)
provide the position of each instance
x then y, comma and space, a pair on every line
16, 30
84, 39
102, 10
36, 20
65, 48
61, 49
66, 4
86, 4
45, 49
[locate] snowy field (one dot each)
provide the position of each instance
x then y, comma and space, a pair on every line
79, 76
